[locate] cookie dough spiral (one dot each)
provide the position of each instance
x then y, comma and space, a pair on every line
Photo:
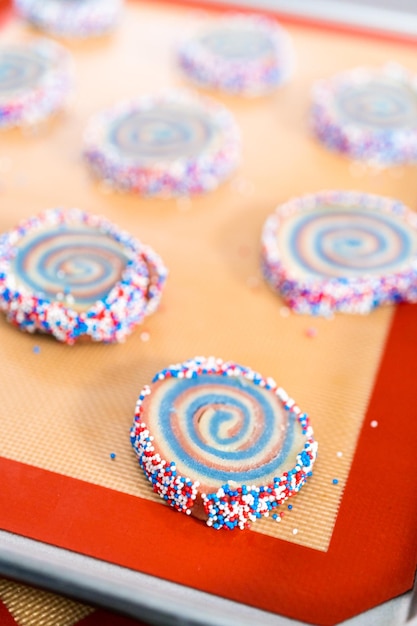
369, 114
70, 274
71, 18
36, 80
247, 55
341, 251
161, 134
175, 143
75, 261
20, 70
222, 429
348, 242
220, 442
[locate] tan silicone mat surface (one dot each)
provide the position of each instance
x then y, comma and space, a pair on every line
66, 409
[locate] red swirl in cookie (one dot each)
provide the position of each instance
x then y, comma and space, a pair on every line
71, 260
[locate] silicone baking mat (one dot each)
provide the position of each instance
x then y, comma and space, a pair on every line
66, 410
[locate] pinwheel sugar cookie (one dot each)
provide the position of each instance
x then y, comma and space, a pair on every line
166, 145
242, 54
368, 114
220, 442
35, 81
71, 274
71, 18
341, 251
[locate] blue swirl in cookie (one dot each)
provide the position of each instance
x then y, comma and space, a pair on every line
222, 428
80, 263
336, 242
165, 132
20, 70
378, 104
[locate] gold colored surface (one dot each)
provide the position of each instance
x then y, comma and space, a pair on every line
66, 409
33, 607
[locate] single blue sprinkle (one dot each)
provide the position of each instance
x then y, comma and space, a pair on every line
305, 458
290, 507
112, 455
275, 516
36, 349
335, 481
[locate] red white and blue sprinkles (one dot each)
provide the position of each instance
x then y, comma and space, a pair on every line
71, 18
221, 442
36, 80
369, 114
70, 274
172, 144
242, 54
341, 251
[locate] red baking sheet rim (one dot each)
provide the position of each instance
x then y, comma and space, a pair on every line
308, 21
218, 5
372, 555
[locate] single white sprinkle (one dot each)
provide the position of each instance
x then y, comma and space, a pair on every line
374, 424
339, 454
145, 336
294, 531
